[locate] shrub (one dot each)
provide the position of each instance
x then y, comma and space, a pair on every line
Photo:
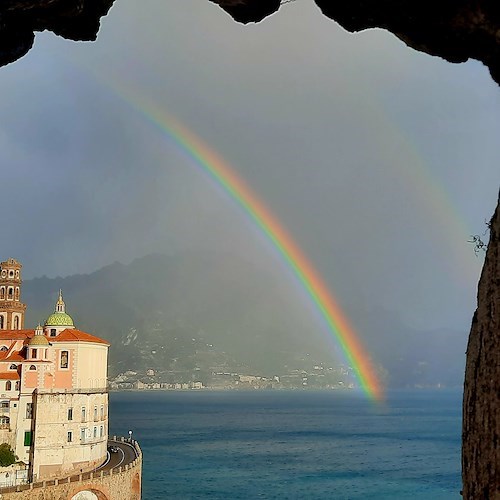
7, 456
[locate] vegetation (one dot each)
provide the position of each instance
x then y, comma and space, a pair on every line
477, 241
7, 456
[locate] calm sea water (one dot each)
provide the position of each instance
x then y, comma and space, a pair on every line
294, 445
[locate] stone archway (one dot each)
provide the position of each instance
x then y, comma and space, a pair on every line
89, 494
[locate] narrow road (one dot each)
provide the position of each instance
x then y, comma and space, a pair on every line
126, 454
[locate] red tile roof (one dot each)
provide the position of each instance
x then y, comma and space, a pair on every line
9, 375
72, 335
15, 334
15, 356
68, 335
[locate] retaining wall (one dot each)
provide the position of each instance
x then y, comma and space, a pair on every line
122, 483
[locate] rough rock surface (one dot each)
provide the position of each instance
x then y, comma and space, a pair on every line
481, 409
73, 19
249, 12
453, 29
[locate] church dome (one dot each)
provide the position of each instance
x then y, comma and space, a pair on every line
59, 319
38, 340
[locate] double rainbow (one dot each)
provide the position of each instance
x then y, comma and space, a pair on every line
226, 177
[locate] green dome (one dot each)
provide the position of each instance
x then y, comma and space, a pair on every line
59, 319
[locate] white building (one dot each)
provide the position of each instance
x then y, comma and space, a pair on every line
53, 387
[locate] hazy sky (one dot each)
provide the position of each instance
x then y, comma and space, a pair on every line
379, 160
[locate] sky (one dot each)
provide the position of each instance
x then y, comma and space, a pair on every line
380, 161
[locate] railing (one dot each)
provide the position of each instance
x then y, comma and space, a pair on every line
94, 390
85, 476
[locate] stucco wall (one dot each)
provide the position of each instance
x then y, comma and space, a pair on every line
54, 455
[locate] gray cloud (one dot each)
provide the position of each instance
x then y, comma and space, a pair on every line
379, 160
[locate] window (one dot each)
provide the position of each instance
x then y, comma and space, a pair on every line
102, 412
84, 413
13, 366
70, 413
32, 367
82, 434
101, 431
95, 412
53, 332
2, 293
17, 293
27, 438
11, 273
4, 404
64, 359
70, 436
29, 410
16, 323
1, 322
10, 293
3, 348
8, 385
17, 386
95, 432
34, 353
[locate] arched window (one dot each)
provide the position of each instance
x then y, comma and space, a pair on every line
1, 322
4, 422
17, 293
8, 385
13, 366
16, 322
64, 359
11, 273
32, 367
2, 293
4, 348
17, 385
10, 293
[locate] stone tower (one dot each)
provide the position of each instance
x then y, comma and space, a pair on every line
11, 307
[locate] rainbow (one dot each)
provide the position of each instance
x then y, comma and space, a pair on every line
223, 175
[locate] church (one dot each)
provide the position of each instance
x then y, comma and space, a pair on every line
53, 387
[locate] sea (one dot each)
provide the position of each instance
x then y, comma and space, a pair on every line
294, 444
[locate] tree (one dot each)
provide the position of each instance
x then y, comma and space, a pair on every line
7, 456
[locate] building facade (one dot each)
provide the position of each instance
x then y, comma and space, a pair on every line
53, 387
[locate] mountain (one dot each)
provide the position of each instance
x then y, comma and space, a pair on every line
195, 311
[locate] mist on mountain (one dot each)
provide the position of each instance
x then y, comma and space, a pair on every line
192, 308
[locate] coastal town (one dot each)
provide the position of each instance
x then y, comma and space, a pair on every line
319, 377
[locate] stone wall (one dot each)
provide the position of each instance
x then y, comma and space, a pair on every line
123, 483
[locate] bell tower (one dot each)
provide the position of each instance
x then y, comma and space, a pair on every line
11, 308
